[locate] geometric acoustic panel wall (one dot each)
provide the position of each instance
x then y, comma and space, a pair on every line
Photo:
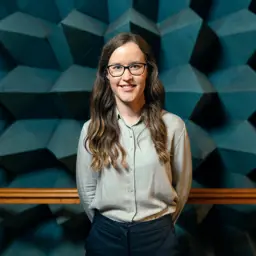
49, 50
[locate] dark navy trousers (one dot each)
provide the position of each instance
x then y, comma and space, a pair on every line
150, 238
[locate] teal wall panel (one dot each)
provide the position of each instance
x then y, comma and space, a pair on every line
49, 50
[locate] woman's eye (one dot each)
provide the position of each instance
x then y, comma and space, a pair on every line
135, 66
117, 67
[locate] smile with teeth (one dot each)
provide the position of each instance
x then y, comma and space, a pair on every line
127, 85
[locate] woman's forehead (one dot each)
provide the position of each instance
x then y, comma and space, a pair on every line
127, 53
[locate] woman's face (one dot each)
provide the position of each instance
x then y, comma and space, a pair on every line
128, 87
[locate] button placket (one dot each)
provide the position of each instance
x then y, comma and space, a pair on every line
132, 142
132, 148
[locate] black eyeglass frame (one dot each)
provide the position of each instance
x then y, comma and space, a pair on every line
127, 67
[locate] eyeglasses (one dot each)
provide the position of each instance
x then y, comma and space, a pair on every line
135, 69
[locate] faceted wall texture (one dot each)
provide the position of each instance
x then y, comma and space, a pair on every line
49, 49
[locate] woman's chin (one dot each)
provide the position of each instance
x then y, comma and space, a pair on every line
127, 98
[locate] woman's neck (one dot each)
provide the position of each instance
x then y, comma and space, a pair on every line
131, 113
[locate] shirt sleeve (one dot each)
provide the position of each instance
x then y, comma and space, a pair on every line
182, 171
86, 178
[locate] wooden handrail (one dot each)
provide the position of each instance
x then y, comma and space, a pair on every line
70, 196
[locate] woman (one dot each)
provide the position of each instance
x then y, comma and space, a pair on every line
133, 160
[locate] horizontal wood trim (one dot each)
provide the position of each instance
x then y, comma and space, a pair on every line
70, 196
39, 201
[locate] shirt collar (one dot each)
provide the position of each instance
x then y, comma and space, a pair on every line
118, 115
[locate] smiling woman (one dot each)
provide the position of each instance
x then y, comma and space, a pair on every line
128, 82
134, 166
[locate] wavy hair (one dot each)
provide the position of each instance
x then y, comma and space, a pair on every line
103, 132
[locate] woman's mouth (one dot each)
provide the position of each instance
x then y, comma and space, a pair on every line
127, 87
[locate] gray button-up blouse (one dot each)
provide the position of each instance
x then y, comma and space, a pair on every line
148, 189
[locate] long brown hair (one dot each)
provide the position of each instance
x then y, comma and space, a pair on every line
103, 131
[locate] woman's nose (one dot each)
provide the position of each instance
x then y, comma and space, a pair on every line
127, 75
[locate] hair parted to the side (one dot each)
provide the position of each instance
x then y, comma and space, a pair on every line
103, 132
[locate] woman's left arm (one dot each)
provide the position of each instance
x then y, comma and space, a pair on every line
182, 170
